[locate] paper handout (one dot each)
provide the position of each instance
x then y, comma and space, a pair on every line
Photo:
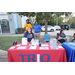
11, 47
32, 47
43, 47
60, 47
18, 45
35, 42
24, 47
24, 41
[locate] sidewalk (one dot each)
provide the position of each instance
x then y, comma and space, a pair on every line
11, 34
3, 56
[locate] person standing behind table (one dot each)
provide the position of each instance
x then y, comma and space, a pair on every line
27, 25
37, 30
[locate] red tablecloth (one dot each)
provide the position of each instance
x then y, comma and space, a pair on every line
38, 55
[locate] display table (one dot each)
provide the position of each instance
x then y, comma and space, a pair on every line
70, 52
36, 55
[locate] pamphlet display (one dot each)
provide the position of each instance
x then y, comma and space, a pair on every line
53, 44
24, 41
35, 42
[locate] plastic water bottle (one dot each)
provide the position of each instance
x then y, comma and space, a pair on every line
39, 43
67, 39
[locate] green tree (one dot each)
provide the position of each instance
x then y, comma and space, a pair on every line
44, 15
60, 20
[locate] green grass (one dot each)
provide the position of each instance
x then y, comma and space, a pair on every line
7, 41
72, 28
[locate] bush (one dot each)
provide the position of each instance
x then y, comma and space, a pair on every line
20, 30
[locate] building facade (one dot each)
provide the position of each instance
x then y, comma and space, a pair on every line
10, 22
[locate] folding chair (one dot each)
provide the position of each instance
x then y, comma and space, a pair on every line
47, 38
73, 37
57, 36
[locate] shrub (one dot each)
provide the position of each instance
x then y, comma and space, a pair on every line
20, 30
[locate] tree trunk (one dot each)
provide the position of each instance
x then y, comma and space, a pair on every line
46, 25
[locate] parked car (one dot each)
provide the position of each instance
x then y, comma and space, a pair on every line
57, 27
65, 26
49, 28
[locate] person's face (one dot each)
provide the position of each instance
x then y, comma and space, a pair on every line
29, 30
36, 23
62, 32
27, 21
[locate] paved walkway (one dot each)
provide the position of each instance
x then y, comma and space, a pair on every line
3, 56
67, 32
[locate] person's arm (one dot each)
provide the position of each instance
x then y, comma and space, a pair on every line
32, 36
31, 26
25, 27
60, 37
25, 34
64, 36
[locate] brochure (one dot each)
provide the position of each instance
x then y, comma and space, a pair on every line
22, 47
53, 42
54, 47
24, 41
35, 42
43, 47
18, 45
11, 47
60, 47
32, 47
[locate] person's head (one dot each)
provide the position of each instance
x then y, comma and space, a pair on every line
61, 31
36, 23
29, 30
27, 21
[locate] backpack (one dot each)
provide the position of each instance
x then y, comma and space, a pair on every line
15, 42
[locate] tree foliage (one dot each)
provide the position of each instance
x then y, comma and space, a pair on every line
44, 16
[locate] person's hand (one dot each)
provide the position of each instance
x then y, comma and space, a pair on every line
27, 42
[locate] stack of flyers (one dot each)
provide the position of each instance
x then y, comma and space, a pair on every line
54, 47
18, 45
22, 47
43, 47
11, 47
